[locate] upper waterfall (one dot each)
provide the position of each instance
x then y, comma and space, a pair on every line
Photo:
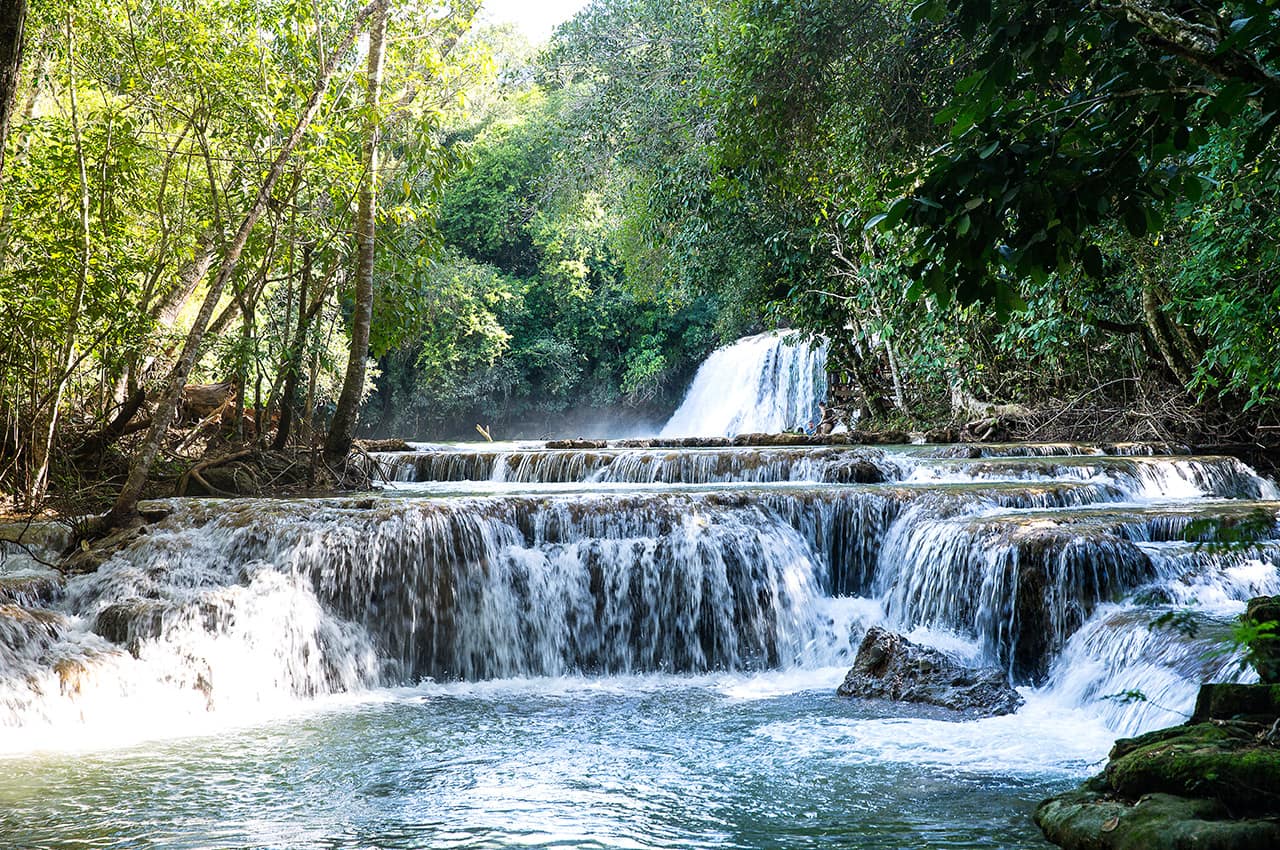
760, 383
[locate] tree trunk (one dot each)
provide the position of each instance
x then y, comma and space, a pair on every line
125, 507
347, 414
1159, 326
293, 367
13, 19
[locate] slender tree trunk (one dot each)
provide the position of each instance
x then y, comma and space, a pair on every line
126, 504
1159, 326
342, 428
13, 20
293, 368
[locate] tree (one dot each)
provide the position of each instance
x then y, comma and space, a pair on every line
125, 506
1078, 115
345, 416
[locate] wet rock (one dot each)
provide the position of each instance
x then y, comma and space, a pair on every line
578, 444
394, 444
1221, 761
942, 435
857, 471
131, 622
888, 666
1086, 566
1089, 820
879, 438
30, 589
1265, 651
697, 443
765, 440
89, 556
27, 633
43, 536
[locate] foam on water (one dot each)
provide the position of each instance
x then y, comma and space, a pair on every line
1044, 736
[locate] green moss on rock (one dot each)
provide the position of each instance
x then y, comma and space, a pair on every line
1259, 703
1212, 784
1210, 761
1086, 820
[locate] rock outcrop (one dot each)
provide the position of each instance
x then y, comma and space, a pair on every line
888, 666
1212, 783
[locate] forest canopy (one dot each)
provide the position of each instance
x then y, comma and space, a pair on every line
390, 218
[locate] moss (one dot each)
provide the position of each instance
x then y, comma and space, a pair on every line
1230, 701
1084, 820
1216, 762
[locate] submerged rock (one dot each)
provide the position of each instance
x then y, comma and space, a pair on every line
1212, 783
888, 666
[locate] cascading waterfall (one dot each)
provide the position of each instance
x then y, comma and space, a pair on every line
696, 561
759, 384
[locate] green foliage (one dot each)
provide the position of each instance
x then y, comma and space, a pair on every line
531, 314
1076, 116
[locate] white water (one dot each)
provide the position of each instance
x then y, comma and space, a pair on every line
759, 384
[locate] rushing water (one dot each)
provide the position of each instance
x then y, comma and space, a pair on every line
617, 647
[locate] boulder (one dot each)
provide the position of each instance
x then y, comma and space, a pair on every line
888, 666
1257, 703
1092, 820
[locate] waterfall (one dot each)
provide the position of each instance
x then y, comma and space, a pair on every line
759, 384
1048, 562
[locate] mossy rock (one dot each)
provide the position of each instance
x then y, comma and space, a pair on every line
1088, 820
1259, 703
1214, 761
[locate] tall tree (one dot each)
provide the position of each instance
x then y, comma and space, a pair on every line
126, 504
347, 413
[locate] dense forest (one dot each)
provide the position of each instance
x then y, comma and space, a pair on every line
230, 226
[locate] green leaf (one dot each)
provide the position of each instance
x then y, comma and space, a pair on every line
875, 221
